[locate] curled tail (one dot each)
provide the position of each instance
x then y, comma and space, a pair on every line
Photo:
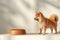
54, 18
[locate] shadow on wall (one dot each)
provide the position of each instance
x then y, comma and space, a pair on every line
5, 21
11, 13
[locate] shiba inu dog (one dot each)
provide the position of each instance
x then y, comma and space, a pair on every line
45, 23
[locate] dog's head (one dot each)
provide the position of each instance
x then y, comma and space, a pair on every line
38, 16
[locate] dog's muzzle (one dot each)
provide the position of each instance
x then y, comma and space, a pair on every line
36, 19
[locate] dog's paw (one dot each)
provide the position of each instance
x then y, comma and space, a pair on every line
40, 33
43, 33
55, 33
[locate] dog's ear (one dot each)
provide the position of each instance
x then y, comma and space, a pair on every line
40, 12
37, 13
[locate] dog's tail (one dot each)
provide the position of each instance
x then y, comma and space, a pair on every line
54, 18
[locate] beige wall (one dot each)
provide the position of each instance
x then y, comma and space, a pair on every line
20, 14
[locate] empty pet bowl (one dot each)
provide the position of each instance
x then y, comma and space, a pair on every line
17, 31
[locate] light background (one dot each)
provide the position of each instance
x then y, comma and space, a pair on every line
20, 14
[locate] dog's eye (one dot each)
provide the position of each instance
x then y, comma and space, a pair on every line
37, 15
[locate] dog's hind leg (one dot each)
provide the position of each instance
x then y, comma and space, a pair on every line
55, 30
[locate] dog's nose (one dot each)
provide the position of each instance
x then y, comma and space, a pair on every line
36, 19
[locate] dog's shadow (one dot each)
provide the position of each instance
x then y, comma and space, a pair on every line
58, 32
39, 33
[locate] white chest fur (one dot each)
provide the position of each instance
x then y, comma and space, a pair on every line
41, 24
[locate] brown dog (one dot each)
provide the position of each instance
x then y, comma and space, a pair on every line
45, 23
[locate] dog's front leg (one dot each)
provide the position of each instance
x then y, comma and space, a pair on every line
44, 30
51, 30
40, 30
